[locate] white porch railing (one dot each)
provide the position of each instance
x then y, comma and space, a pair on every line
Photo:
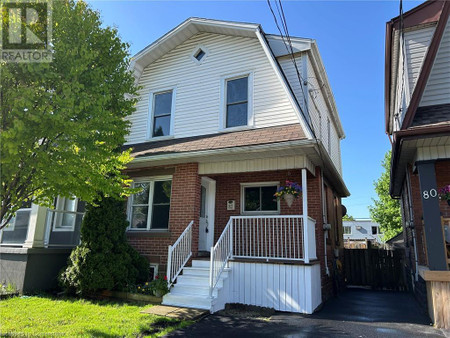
265, 238
220, 254
179, 254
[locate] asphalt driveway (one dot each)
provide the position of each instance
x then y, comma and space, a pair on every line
355, 313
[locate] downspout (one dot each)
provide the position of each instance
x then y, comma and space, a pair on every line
326, 226
411, 224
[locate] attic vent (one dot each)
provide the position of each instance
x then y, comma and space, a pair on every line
199, 54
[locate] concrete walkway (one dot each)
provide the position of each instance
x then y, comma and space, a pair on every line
355, 313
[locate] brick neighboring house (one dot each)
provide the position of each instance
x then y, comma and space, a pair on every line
221, 122
417, 115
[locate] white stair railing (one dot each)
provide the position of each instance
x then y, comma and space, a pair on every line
220, 254
179, 254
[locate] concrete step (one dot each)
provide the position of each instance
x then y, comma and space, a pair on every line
193, 290
196, 302
195, 271
200, 263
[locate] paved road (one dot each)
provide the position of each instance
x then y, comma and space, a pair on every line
355, 313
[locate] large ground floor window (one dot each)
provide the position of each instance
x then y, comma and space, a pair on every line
149, 209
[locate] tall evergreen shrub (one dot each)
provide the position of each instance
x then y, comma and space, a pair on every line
104, 260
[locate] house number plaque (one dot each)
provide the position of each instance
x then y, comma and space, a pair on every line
231, 205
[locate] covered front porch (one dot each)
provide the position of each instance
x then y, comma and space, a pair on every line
264, 254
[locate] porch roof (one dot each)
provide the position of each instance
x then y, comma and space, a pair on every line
292, 132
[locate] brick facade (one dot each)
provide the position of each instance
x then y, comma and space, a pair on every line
185, 206
442, 179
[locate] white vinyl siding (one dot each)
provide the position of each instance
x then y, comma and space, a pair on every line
324, 127
416, 43
291, 75
197, 103
437, 90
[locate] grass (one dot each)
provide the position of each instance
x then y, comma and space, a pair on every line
45, 316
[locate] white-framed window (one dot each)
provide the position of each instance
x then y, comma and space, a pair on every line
237, 106
199, 54
375, 230
149, 209
162, 106
65, 213
347, 230
21, 218
153, 271
258, 198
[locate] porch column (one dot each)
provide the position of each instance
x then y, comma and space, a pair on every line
432, 216
305, 216
36, 227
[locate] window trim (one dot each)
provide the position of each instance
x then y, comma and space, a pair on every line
13, 224
223, 101
258, 184
61, 201
196, 49
151, 180
151, 110
155, 267
346, 226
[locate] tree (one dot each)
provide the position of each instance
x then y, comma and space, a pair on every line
104, 259
63, 123
386, 211
348, 218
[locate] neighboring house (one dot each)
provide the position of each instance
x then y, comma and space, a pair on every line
36, 243
417, 114
359, 232
221, 122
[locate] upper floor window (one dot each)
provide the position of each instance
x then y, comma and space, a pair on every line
237, 102
162, 113
347, 230
149, 208
374, 230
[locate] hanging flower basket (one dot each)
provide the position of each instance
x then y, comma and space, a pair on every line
444, 194
289, 192
289, 199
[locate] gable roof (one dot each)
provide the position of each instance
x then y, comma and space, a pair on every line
270, 43
426, 13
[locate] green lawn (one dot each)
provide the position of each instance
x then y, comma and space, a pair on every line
42, 316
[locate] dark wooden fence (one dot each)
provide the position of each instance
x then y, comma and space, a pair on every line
376, 268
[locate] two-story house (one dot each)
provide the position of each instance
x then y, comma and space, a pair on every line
225, 118
417, 115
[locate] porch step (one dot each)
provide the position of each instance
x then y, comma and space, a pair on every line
200, 263
192, 287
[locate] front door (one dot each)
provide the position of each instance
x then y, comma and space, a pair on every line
206, 228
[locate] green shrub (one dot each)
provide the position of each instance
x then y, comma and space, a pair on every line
104, 260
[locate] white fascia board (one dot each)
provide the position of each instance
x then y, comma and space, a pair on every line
278, 47
306, 128
225, 151
326, 90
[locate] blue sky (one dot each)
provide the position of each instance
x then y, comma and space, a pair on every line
350, 36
